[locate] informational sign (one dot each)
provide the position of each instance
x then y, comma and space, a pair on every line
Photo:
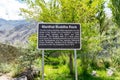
59, 36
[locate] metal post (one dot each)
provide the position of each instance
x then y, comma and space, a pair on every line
75, 63
42, 64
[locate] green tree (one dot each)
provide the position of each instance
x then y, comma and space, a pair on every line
101, 18
115, 7
70, 11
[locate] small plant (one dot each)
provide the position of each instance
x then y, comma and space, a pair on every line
5, 67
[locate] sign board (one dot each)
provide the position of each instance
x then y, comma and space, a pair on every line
59, 36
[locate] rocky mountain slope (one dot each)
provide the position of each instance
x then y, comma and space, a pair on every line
8, 53
16, 31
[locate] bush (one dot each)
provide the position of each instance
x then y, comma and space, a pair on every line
52, 61
5, 68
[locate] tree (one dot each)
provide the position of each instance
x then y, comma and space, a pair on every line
69, 11
115, 7
101, 18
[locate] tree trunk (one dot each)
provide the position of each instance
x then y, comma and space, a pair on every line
71, 64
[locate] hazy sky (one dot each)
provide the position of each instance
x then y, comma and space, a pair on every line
9, 9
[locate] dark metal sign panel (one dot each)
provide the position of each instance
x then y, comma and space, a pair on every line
59, 36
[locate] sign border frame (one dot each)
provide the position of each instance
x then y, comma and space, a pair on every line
57, 48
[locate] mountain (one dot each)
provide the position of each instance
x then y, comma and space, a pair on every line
8, 53
16, 32
4, 25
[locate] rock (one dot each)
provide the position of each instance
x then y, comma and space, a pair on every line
1, 74
110, 72
94, 73
21, 78
36, 72
30, 74
5, 77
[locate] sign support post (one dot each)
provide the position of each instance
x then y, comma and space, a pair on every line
42, 64
59, 36
75, 63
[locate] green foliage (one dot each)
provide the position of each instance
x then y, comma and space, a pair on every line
33, 41
100, 40
90, 14
61, 73
115, 57
56, 57
5, 68
8, 53
115, 7
83, 11
52, 61
30, 55
28, 58
111, 46
64, 11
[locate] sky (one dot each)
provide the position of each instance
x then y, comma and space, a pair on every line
107, 10
9, 9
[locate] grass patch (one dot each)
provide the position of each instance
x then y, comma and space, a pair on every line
62, 73
59, 73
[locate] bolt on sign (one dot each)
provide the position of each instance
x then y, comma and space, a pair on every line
59, 36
